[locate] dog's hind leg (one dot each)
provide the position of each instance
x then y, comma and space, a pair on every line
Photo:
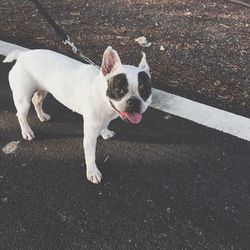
23, 90
37, 100
22, 104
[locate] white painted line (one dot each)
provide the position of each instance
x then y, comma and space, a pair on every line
221, 120
11, 147
6, 48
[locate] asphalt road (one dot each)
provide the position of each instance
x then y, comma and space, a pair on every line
167, 184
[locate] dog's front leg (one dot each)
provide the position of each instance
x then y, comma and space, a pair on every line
89, 144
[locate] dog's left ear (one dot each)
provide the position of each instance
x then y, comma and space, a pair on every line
110, 61
143, 66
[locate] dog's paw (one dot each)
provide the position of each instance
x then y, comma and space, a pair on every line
94, 176
106, 134
28, 135
44, 117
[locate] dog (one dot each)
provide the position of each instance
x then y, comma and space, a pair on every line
98, 94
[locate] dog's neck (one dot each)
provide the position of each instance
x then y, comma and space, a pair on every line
101, 85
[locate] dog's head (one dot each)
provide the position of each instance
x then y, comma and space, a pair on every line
128, 87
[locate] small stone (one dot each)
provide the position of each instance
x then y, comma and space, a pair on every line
5, 199
167, 117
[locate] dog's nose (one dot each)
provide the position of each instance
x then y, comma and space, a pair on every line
134, 104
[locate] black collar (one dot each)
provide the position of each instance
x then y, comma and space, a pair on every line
113, 106
122, 117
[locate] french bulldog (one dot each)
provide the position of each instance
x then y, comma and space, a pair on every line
98, 94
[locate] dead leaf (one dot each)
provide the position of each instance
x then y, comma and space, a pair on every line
143, 42
162, 48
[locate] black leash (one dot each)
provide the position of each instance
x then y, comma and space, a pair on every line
60, 32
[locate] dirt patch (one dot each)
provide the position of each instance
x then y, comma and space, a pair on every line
200, 49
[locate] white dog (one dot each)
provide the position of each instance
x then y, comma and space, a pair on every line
99, 95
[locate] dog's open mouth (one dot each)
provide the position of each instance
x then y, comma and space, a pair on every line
134, 118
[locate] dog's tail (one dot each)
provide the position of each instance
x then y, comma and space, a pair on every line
12, 56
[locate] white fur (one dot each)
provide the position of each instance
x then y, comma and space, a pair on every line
78, 86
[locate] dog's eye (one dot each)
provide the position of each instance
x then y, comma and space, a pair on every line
144, 91
144, 88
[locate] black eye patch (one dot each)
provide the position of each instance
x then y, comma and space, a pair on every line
117, 87
144, 85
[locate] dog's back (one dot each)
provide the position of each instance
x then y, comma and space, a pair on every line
52, 72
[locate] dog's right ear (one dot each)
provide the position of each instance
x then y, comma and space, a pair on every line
110, 61
144, 65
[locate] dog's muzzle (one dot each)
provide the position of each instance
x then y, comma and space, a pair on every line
133, 117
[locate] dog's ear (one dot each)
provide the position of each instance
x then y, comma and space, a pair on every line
143, 66
110, 61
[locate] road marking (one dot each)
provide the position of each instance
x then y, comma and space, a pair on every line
11, 147
208, 116
6, 48
205, 115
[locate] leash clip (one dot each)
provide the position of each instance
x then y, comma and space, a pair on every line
78, 51
71, 44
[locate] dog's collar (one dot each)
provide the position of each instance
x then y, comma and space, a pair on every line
113, 106
120, 114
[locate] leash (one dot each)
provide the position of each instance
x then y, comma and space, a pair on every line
65, 38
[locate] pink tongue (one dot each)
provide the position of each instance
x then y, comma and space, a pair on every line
132, 117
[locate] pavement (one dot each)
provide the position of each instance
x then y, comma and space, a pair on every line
168, 183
